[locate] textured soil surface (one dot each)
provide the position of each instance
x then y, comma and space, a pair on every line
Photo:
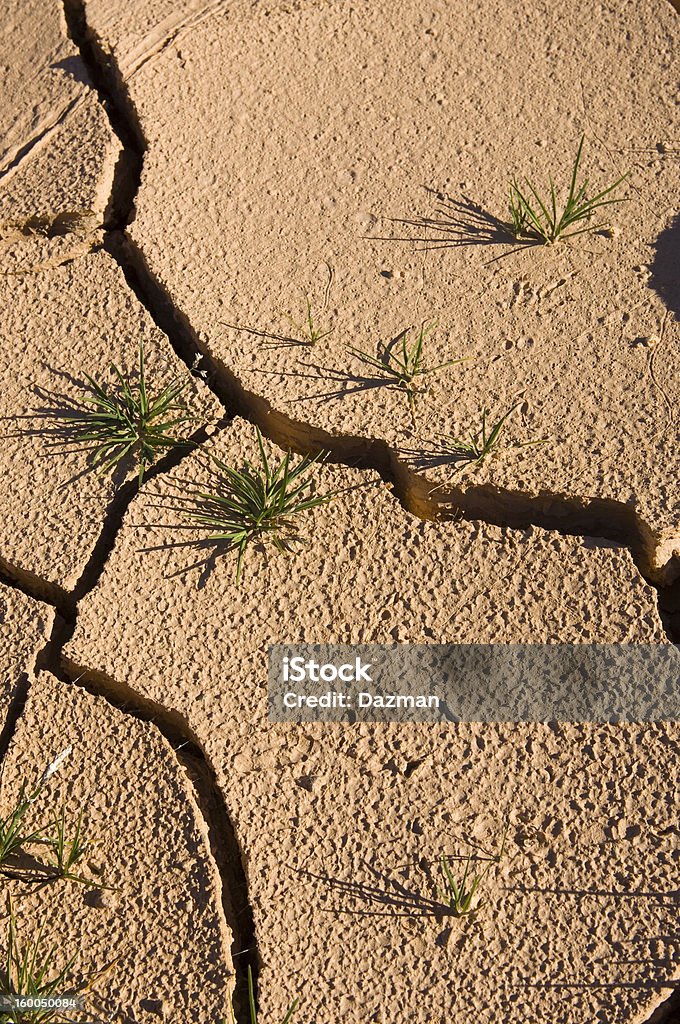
58, 152
23, 630
154, 901
342, 827
358, 172
185, 176
58, 326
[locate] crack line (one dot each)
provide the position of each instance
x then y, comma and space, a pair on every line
597, 517
569, 515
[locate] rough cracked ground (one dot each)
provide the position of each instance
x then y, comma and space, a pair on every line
159, 182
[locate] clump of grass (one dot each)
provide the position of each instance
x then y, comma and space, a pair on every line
459, 895
127, 419
31, 973
67, 853
251, 1004
15, 835
64, 852
262, 500
532, 216
311, 334
484, 442
403, 365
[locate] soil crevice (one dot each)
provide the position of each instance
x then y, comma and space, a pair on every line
657, 558
594, 517
226, 852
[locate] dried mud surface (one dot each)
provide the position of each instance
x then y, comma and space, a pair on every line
181, 174
327, 900
58, 153
57, 326
160, 919
359, 172
24, 626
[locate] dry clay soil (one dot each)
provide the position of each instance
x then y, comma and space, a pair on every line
182, 175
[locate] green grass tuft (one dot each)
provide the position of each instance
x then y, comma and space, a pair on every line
311, 334
262, 500
404, 364
127, 420
31, 972
67, 852
484, 442
16, 837
534, 217
460, 895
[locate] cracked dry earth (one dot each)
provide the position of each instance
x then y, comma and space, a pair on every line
177, 173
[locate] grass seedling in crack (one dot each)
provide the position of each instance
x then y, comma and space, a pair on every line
251, 1004
309, 330
532, 216
404, 365
259, 501
15, 835
483, 443
127, 420
31, 973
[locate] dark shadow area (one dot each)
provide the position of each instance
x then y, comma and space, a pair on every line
215, 549
385, 373
58, 225
437, 455
665, 268
59, 423
184, 505
386, 896
73, 68
348, 383
669, 1011
24, 867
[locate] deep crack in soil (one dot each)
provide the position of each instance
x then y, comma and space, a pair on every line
594, 517
607, 519
226, 853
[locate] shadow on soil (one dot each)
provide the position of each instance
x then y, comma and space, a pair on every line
271, 340
665, 276
390, 897
190, 505
456, 223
